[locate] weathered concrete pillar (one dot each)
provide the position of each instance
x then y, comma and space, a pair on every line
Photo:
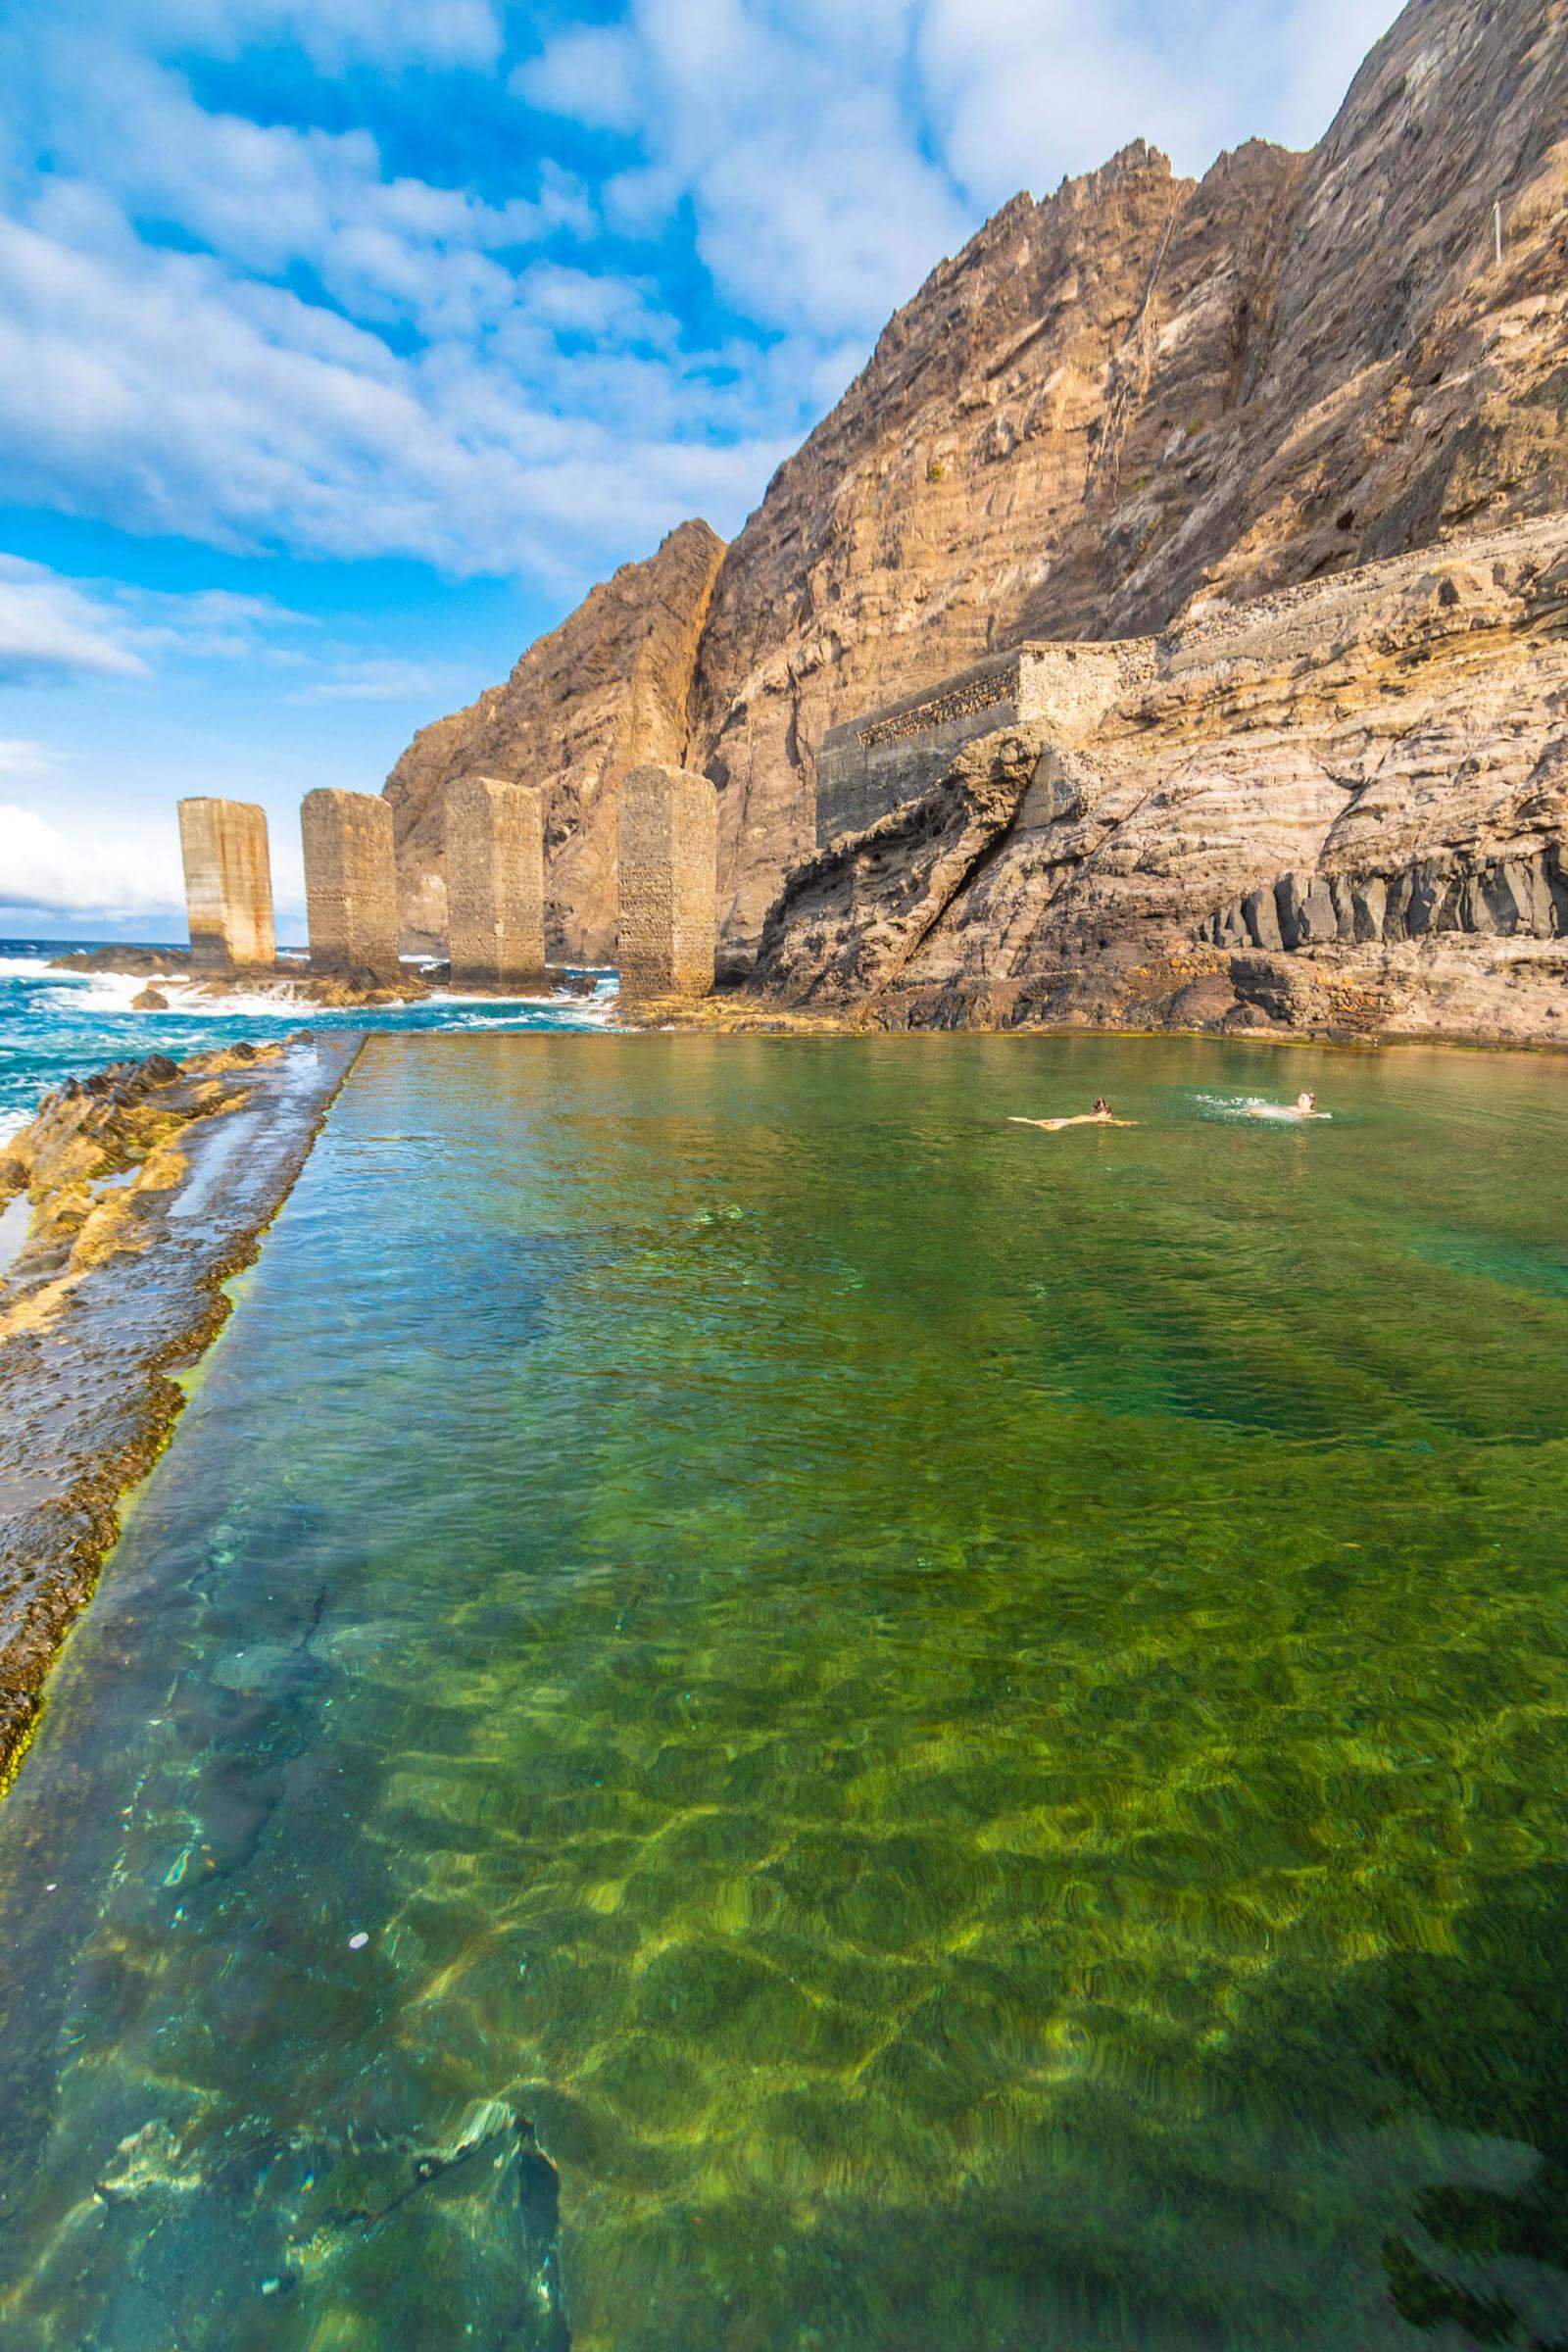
229, 885
668, 848
351, 890
495, 862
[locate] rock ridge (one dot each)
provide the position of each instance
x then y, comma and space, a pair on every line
1361, 764
1140, 400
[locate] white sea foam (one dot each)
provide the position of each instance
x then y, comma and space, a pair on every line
194, 1002
1256, 1107
107, 994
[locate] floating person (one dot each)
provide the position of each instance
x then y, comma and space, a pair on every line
1099, 1116
1303, 1107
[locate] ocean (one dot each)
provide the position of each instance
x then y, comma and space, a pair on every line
56, 1025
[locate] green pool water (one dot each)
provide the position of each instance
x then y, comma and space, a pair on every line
937, 1736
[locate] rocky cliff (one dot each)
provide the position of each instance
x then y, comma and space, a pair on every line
1342, 807
1140, 396
582, 707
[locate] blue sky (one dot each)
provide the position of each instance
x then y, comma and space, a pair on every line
345, 343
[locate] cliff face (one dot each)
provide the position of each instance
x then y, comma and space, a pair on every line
1144, 392
1144, 389
1344, 804
582, 707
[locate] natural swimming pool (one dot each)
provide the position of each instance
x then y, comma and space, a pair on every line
755, 1710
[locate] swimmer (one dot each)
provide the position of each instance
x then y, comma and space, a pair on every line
1303, 1107
1099, 1116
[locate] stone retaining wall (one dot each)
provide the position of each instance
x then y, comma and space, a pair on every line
885, 759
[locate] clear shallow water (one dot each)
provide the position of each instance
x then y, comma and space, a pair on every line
56, 1025
967, 1723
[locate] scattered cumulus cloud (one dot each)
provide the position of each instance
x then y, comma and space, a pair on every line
590, 73
331, 33
374, 681
256, 326
87, 871
23, 760
50, 631
54, 629
1023, 91
154, 386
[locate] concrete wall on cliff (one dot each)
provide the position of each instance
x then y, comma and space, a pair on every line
1140, 394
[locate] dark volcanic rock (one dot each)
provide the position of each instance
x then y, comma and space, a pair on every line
155, 963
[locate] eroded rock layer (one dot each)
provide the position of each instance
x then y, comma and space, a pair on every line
1143, 396
1366, 777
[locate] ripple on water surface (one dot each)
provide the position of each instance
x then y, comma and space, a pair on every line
757, 1710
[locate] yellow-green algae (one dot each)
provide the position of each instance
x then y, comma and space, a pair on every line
967, 1724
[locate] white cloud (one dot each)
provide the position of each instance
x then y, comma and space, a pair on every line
49, 629
1023, 91
164, 390
589, 73
87, 870
24, 759
54, 629
332, 32
268, 196
372, 682
817, 209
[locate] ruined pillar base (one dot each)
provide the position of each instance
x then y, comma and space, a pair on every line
228, 886
668, 850
495, 873
351, 894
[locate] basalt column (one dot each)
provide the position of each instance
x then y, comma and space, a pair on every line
668, 847
229, 885
495, 868
351, 893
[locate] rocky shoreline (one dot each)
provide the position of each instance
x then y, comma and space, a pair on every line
125, 1207
327, 992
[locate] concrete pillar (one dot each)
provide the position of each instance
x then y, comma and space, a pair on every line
668, 848
351, 890
229, 885
495, 862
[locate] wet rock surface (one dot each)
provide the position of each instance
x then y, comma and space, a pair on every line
143, 1188
142, 962
293, 983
